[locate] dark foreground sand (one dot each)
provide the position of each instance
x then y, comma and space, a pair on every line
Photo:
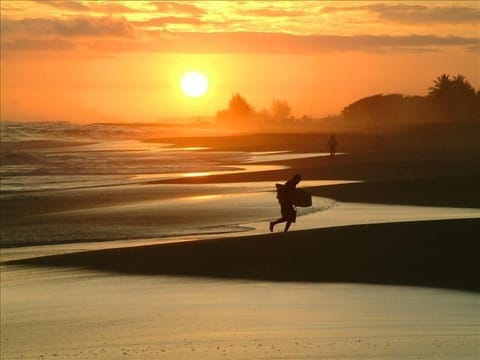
427, 253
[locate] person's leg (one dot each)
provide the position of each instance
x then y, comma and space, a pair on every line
273, 223
287, 225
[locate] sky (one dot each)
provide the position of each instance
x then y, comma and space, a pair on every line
122, 61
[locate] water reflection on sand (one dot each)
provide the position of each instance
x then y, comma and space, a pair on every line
229, 169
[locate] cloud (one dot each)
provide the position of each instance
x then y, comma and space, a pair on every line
475, 48
248, 42
415, 14
75, 27
272, 12
419, 14
110, 7
278, 43
178, 8
97, 36
65, 4
257, 43
167, 20
37, 45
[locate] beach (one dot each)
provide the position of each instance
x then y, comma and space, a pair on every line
163, 265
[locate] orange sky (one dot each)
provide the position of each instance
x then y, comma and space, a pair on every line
122, 61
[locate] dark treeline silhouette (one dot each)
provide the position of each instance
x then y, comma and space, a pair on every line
393, 108
449, 99
454, 98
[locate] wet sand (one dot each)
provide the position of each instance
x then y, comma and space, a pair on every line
90, 315
360, 280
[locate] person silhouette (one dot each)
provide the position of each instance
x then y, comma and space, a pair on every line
285, 196
332, 145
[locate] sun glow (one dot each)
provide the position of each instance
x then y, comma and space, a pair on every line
194, 84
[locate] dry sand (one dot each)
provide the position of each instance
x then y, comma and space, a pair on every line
401, 283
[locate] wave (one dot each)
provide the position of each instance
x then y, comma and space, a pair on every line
20, 157
27, 131
67, 149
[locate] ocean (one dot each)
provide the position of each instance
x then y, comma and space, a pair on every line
54, 156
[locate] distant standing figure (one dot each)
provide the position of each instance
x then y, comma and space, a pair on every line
332, 145
285, 197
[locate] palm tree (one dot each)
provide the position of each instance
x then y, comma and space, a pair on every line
440, 86
462, 86
453, 98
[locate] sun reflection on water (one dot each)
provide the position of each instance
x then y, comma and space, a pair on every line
196, 174
194, 148
204, 197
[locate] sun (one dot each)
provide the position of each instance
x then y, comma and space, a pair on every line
194, 84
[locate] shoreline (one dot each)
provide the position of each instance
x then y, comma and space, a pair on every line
134, 202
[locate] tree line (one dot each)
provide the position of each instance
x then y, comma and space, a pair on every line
241, 112
448, 99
